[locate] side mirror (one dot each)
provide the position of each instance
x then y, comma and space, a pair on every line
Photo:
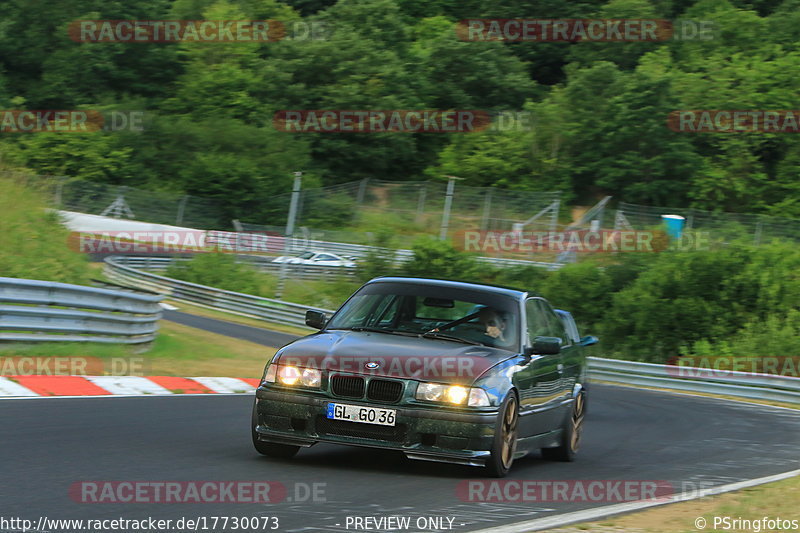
546, 346
315, 319
588, 340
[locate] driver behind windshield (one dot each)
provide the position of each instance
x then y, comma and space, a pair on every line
493, 323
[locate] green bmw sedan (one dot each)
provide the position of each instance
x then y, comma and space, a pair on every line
441, 370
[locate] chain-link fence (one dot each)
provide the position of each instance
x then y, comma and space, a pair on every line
158, 207
347, 212
754, 228
354, 212
138, 204
412, 207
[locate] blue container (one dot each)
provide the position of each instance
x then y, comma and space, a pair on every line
674, 225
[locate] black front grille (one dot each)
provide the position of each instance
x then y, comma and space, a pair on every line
342, 428
384, 390
348, 386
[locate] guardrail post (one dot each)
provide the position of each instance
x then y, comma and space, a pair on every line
289, 233
448, 203
423, 191
487, 208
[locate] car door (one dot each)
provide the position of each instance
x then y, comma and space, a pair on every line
573, 357
539, 383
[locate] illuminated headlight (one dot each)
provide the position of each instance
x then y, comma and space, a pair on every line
453, 394
293, 376
288, 375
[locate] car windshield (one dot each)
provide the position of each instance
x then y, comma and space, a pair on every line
307, 255
468, 315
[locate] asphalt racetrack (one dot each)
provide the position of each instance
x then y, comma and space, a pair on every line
50, 444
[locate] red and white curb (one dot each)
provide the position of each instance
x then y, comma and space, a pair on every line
39, 385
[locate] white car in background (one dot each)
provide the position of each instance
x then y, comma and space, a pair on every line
316, 259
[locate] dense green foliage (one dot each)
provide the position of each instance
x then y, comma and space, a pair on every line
33, 243
222, 271
597, 111
219, 270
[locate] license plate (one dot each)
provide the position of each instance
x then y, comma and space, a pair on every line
360, 413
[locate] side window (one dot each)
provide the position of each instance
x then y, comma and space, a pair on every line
569, 325
537, 320
556, 325
386, 312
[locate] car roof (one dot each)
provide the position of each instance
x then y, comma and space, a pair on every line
506, 291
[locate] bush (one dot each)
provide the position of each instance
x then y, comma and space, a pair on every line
379, 261
684, 298
774, 336
34, 244
438, 259
321, 294
222, 271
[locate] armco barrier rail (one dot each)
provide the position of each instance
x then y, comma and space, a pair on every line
276, 311
704, 380
36, 311
265, 264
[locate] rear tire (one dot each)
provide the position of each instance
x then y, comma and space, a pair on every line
571, 434
505, 438
270, 449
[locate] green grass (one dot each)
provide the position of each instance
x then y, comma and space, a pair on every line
222, 271
33, 243
177, 351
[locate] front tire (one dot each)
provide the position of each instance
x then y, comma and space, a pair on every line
571, 434
270, 449
505, 438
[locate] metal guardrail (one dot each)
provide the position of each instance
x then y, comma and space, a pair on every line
706, 380
45, 311
265, 264
268, 309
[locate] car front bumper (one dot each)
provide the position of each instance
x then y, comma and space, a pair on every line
425, 433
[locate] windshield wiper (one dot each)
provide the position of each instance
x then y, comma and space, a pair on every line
445, 337
373, 329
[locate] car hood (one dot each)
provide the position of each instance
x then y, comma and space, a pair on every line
396, 356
